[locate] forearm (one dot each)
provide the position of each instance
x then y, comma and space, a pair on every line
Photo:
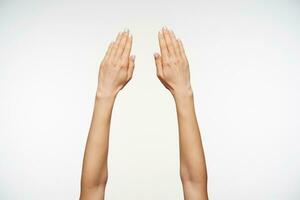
172, 68
192, 160
115, 71
94, 173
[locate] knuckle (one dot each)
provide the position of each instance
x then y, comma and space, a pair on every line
124, 64
166, 61
112, 62
177, 61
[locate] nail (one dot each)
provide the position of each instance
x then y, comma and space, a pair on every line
133, 57
126, 30
155, 55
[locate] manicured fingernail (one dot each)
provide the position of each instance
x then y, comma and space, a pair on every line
155, 55
133, 57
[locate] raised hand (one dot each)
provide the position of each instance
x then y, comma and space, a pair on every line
117, 66
173, 71
115, 71
172, 66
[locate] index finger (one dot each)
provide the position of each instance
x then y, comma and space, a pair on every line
162, 45
128, 46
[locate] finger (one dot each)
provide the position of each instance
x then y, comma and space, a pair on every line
115, 44
122, 43
158, 63
127, 48
162, 45
108, 51
182, 51
131, 67
169, 43
175, 42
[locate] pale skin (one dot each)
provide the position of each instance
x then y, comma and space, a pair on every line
116, 70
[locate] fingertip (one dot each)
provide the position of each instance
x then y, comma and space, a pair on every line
118, 36
160, 33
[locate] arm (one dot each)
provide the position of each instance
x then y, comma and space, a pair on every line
115, 71
173, 71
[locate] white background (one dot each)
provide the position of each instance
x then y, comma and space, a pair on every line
245, 69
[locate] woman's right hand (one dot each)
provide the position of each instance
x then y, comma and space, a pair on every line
172, 65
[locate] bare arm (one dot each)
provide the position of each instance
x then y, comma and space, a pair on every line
115, 71
173, 71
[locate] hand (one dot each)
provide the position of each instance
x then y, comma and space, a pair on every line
172, 66
117, 66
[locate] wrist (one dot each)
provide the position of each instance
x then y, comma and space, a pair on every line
184, 102
182, 94
104, 94
107, 96
103, 105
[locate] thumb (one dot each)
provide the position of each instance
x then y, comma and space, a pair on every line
158, 63
131, 66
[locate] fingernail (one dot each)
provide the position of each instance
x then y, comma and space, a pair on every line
133, 57
155, 55
126, 30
